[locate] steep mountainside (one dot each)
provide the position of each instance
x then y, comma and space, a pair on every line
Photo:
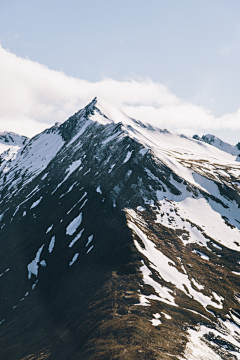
119, 241
221, 145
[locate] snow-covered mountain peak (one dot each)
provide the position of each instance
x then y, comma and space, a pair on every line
181, 153
11, 140
102, 112
99, 119
110, 113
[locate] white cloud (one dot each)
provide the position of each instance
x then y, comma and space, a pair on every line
32, 97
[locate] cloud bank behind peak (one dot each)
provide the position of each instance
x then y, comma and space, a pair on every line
33, 97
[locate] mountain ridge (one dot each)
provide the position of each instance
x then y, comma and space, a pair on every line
12, 138
11, 142
221, 145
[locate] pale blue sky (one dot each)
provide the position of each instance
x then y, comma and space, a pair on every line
191, 46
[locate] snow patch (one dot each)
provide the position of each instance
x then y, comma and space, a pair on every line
51, 245
49, 229
98, 190
155, 322
36, 203
69, 171
74, 224
89, 239
33, 266
203, 256
44, 176
83, 204
236, 273
76, 238
34, 285
166, 315
90, 249
111, 168
74, 259
143, 151
129, 154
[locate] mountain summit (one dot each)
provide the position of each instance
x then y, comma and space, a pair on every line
119, 240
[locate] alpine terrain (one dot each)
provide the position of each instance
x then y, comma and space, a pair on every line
118, 241
215, 141
11, 141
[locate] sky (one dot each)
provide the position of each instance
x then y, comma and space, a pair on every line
174, 64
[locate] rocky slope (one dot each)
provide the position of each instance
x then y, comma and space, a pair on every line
119, 241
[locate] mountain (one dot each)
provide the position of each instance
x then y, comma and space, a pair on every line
10, 140
218, 143
10, 143
119, 240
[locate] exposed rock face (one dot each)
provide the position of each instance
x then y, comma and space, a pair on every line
119, 241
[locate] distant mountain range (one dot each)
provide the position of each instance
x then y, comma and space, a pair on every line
10, 140
221, 145
119, 240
